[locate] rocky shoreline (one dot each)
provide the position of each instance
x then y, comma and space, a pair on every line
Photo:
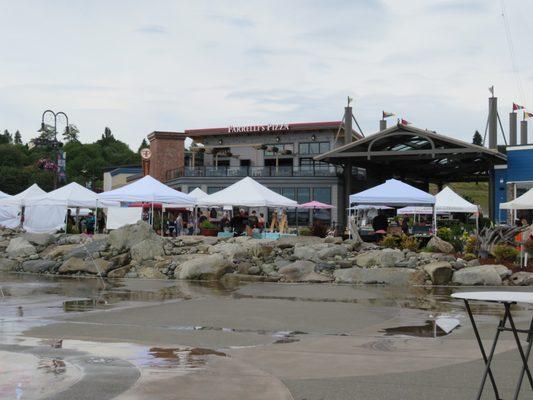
135, 251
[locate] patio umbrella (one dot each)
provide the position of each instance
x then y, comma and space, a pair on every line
316, 205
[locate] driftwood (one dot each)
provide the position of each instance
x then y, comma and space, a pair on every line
493, 235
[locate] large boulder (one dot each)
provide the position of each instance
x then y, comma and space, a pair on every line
8, 265
85, 250
522, 278
205, 267
441, 245
20, 247
440, 272
129, 235
119, 272
502, 270
150, 273
302, 271
481, 275
230, 250
332, 251
92, 266
147, 249
390, 275
39, 266
39, 239
381, 258
55, 252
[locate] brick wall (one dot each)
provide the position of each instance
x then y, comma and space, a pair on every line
167, 153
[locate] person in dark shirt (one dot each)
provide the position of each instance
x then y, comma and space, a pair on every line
253, 220
380, 223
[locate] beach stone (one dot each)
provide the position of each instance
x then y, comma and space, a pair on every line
206, 267
302, 271
73, 265
390, 275
480, 275
440, 272
120, 260
20, 247
39, 239
441, 245
8, 265
522, 278
324, 267
229, 250
210, 240
119, 272
129, 235
151, 273
383, 258
333, 239
502, 270
147, 249
331, 252
38, 266
85, 250
192, 240
473, 263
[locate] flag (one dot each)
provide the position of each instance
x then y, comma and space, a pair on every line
388, 114
527, 115
517, 107
405, 122
491, 90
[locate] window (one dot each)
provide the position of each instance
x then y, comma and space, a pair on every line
213, 189
322, 194
304, 195
324, 146
281, 147
289, 193
308, 148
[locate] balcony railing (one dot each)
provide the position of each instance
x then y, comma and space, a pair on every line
254, 172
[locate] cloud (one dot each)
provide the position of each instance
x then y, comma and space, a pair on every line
152, 29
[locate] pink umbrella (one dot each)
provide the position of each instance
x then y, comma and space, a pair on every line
315, 205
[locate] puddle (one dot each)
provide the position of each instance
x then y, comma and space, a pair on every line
430, 329
83, 305
183, 359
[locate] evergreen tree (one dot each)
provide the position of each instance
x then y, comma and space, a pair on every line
144, 145
477, 139
107, 137
18, 138
6, 137
71, 134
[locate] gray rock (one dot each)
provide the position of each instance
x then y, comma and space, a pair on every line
147, 249
473, 263
383, 258
459, 264
39, 266
20, 247
206, 267
333, 239
8, 265
210, 240
390, 275
324, 267
480, 275
522, 278
39, 239
302, 271
441, 245
119, 272
270, 269
231, 251
129, 235
254, 270
74, 265
440, 272
151, 273
502, 270
85, 250
332, 251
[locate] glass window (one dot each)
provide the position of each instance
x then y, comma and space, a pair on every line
324, 146
276, 189
281, 147
290, 193
213, 189
304, 195
322, 194
303, 148
314, 148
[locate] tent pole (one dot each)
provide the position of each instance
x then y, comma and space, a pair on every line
434, 221
96, 218
152, 221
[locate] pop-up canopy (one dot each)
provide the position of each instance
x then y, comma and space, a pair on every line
71, 195
393, 193
22, 198
246, 193
447, 201
524, 202
3, 195
198, 193
147, 189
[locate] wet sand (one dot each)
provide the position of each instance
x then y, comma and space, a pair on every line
137, 339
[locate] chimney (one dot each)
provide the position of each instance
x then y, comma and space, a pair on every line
168, 153
347, 124
523, 132
512, 129
382, 124
493, 122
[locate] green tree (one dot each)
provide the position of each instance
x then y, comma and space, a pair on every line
144, 145
107, 137
477, 139
17, 138
6, 137
71, 133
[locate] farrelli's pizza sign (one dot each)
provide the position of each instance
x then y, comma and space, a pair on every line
258, 128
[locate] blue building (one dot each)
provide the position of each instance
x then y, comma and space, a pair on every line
513, 180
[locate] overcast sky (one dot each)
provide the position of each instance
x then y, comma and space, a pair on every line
140, 66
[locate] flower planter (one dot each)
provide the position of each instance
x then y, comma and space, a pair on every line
208, 232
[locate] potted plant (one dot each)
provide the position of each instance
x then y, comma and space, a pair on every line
207, 228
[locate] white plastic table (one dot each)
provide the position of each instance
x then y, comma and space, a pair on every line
506, 299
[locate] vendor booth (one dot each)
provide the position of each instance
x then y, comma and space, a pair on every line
11, 210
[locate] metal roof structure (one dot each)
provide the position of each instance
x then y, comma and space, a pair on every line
412, 153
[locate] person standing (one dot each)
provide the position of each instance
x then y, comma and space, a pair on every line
89, 224
179, 224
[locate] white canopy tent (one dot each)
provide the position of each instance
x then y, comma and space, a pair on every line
4, 195
9, 215
198, 193
524, 202
395, 193
23, 197
447, 201
147, 189
246, 193
71, 195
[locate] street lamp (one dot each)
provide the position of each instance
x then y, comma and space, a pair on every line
52, 142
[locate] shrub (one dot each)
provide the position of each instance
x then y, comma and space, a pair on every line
409, 242
505, 252
390, 241
429, 249
305, 231
470, 244
469, 257
208, 225
445, 234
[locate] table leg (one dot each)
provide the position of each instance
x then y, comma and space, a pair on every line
528, 352
486, 359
